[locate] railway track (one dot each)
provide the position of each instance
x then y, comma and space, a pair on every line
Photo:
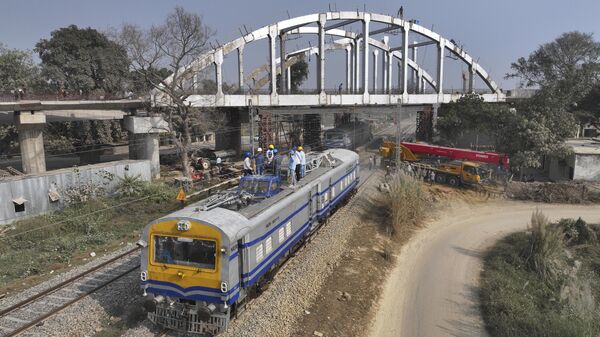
32, 311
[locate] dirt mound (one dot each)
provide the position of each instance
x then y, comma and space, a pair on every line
570, 193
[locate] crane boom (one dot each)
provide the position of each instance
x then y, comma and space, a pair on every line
458, 154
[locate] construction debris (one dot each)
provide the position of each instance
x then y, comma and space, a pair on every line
571, 193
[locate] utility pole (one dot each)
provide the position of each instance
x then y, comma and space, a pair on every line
251, 112
398, 135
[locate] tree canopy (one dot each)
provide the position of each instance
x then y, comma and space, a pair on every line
567, 72
83, 59
17, 70
172, 45
298, 74
526, 131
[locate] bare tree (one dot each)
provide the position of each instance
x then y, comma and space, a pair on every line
173, 45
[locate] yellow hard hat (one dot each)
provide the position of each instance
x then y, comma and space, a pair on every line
271, 146
299, 148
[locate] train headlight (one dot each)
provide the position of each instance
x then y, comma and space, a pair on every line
224, 287
144, 276
184, 225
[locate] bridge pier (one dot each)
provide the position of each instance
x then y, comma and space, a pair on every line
144, 140
229, 136
30, 127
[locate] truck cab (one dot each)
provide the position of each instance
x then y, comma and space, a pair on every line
459, 172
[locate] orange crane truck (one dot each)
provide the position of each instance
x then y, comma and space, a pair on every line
464, 168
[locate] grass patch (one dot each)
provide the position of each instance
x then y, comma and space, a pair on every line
35, 246
405, 202
544, 282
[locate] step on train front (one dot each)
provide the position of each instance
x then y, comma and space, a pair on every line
201, 264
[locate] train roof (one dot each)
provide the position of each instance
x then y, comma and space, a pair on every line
235, 223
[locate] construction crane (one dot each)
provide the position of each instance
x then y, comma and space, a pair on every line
463, 166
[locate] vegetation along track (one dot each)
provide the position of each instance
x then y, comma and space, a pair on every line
34, 310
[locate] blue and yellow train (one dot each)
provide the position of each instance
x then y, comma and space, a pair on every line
201, 264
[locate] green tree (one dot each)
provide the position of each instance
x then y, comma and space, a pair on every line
527, 131
174, 44
299, 74
17, 70
566, 69
469, 113
85, 60
530, 131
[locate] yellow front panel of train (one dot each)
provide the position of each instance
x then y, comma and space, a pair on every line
186, 253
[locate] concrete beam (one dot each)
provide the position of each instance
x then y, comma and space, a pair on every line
73, 105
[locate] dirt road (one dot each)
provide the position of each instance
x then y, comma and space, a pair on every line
433, 289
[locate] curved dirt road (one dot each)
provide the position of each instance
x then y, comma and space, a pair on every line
433, 289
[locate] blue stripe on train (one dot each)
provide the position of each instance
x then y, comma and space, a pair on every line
294, 238
195, 288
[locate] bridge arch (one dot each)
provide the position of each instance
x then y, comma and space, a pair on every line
328, 24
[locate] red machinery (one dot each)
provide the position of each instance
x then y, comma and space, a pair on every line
462, 154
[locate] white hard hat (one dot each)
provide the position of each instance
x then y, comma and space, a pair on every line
259, 149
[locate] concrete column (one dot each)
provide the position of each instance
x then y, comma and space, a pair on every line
144, 139
400, 79
440, 68
405, 61
288, 71
273, 59
282, 67
386, 59
390, 58
30, 127
321, 67
366, 20
348, 67
195, 82
375, 53
357, 67
423, 84
219, 71
471, 78
414, 72
419, 81
241, 68
352, 68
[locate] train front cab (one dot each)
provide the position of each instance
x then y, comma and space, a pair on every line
186, 276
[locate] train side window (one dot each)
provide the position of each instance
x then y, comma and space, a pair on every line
288, 229
259, 253
268, 245
281, 235
332, 192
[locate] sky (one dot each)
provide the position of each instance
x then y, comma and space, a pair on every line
494, 32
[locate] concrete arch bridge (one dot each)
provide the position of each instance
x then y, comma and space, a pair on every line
362, 68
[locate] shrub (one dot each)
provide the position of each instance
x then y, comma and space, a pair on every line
130, 186
544, 254
405, 202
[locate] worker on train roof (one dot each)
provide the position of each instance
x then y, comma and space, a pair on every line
247, 164
270, 154
259, 161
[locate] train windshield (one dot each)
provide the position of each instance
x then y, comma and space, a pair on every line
185, 251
